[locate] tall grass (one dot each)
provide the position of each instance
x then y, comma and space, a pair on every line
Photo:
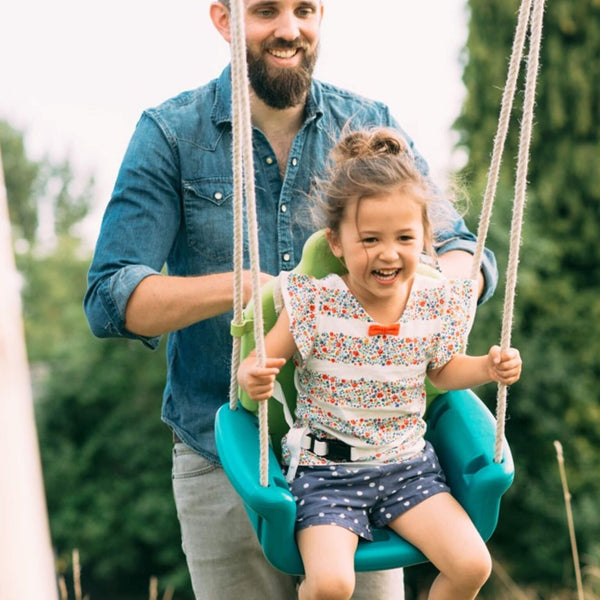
503, 587
168, 593
588, 582
567, 497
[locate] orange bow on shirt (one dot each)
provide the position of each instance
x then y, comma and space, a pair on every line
384, 329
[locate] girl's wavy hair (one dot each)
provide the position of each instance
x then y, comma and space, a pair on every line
370, 163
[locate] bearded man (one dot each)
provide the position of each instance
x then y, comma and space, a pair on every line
173, 204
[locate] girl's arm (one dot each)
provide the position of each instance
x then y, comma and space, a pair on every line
463, 371
258, 382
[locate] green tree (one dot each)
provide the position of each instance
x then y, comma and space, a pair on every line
105, 452
106, 458
21, 178
557, 306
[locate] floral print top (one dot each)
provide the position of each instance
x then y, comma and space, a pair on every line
369, 390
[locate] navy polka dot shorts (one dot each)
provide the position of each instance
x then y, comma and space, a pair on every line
360, 497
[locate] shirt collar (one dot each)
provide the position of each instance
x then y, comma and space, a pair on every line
221, 111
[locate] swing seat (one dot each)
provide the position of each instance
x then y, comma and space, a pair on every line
459, 426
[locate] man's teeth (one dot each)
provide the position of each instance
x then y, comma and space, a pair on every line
283, 53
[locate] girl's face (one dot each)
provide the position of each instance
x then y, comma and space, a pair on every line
380, 239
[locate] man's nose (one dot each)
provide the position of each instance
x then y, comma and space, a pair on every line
287, 27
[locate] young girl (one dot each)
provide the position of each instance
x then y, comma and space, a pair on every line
363, 344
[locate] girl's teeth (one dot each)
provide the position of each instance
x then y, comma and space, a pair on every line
385, 274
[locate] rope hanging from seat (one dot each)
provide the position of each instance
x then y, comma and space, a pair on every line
535, 20
243, 174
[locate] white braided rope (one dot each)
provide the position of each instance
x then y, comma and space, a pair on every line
242, 145
518, 208
501, 133
238, 233
525, 19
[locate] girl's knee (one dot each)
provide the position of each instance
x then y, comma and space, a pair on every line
476, 568
328, 586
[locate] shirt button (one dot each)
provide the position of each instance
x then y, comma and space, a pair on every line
218, 196
294, 161
269, 160
284, 208
286, 257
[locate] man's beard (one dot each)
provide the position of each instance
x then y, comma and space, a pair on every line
281, 87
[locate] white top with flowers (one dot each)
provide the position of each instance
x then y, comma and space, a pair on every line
369, 390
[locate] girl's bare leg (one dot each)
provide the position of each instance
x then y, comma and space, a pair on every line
328, 556
443, 531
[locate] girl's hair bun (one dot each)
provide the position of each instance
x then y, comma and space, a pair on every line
370, 144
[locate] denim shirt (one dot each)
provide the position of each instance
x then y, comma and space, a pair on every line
173, 204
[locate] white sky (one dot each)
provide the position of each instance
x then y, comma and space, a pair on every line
75, 75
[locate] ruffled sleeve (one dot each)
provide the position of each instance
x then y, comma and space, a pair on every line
300, 295
459, 301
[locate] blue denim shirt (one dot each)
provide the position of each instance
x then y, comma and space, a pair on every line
172, 203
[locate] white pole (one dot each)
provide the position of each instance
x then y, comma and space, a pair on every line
26, 560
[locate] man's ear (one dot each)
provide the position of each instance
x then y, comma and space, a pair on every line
334, 243
220, 16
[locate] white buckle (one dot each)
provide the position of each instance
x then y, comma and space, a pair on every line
321, 447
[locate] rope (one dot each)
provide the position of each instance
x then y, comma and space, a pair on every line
501, 133
238, 212
244, 182
518, 209
525, 18
535, 21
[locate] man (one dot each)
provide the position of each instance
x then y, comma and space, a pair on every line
172, 204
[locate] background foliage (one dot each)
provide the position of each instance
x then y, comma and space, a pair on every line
106, 454
557, 307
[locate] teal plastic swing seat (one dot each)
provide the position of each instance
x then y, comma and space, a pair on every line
459, 425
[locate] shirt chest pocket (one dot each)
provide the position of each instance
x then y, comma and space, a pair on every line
209, 211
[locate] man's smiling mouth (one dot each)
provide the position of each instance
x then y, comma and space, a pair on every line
283, 52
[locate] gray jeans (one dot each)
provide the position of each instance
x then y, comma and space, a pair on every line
223, 556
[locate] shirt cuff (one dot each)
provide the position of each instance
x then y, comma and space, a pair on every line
489, 268
120, 288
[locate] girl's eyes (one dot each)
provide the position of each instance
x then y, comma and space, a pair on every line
401, 238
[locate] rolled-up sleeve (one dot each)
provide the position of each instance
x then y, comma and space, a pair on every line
105, 304
137, 232
466, 242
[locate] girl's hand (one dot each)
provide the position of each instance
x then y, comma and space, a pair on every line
258, 382
504, 367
